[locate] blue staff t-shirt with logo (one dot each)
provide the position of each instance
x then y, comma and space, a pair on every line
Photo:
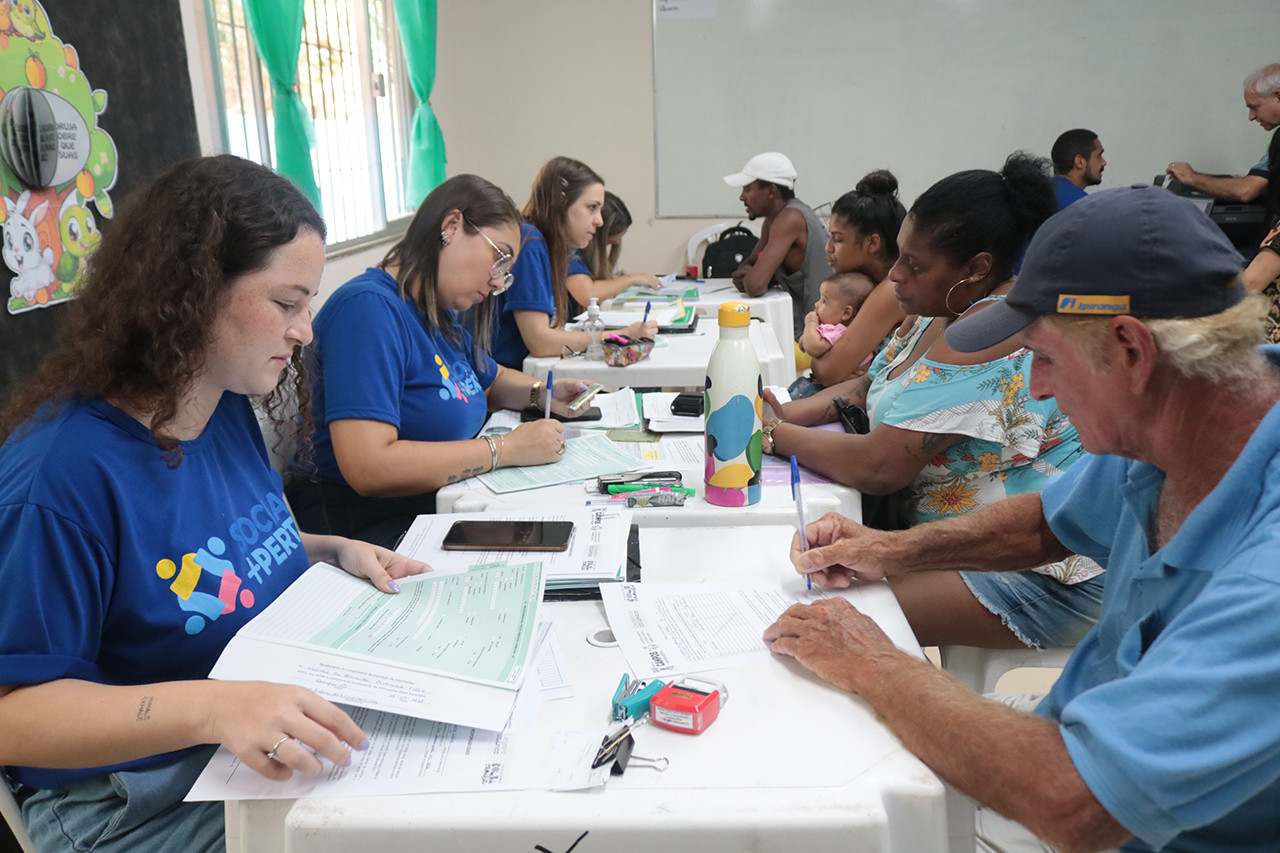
118, 569
377, 360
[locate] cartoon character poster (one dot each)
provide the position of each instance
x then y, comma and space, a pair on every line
56, 165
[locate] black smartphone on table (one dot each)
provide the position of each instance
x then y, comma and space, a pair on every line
501, 535
687, 404
591, 414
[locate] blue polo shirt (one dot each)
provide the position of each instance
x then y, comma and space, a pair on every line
1168, 706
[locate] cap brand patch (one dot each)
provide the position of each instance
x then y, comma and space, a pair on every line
1074, 303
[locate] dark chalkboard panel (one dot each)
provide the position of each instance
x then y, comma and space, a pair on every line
135, 52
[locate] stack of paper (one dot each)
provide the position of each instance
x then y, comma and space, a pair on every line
448, 647
597, 551
666, 285
585, 456
656, 407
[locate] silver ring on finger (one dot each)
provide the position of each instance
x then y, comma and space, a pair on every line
561, 449
271, 753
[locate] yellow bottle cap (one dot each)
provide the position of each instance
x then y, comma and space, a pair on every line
735, 314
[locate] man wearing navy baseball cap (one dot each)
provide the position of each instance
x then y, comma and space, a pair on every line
1160, 732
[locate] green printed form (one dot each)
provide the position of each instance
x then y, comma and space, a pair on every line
478, 625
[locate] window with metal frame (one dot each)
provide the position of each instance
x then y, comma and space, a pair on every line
351, 76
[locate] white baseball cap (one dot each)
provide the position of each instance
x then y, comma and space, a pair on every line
769, 166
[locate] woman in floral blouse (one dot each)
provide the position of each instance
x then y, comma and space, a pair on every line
952, 431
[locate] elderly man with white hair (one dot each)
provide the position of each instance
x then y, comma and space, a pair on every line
1262, 97
1162, 732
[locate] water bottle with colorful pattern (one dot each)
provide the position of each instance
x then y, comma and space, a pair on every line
733, 406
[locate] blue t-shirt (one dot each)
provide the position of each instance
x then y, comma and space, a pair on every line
117, 569
577, 266
1168, 706
1067, 191
531, 290
1263, 167
377, 360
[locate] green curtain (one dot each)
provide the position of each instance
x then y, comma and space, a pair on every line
417, 23
276, 26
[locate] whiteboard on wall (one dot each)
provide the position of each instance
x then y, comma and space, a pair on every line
929, 87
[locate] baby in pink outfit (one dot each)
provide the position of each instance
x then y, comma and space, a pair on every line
839, 299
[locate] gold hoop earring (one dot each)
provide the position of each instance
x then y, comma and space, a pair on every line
947, 300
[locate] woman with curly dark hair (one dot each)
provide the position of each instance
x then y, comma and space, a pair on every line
950, 431
143, 524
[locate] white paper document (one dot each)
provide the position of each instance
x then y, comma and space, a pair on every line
616, 410
405, 756
447, 647
584, 457
675, 450
667, 629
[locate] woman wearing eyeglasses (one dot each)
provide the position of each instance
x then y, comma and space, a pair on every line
402, 376
562, 214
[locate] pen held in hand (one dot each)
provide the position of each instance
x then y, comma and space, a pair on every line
795, 494
546, 413
647, 307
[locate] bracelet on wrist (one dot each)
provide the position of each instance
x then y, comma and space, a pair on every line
493, 452
534, 391
766, 433
1272, 243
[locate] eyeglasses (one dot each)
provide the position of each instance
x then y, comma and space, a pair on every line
569, 352
501, 269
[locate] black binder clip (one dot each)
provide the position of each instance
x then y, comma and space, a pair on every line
617, 746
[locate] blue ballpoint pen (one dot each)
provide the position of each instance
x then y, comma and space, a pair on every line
795, 495
547, 410
647, 306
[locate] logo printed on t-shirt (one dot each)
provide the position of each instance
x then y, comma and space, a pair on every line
266, 536
461, 378
205, 607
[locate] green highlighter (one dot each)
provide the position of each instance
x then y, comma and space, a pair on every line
645, 487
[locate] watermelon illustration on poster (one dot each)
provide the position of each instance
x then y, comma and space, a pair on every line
136, 53
57, 163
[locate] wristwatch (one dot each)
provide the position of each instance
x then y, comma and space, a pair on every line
1272, 241
534, 390
766, 434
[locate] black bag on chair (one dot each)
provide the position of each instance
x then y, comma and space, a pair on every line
726, 253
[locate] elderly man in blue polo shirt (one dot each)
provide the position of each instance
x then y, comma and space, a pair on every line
1162, 732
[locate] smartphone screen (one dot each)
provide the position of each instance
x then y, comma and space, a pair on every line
484, 535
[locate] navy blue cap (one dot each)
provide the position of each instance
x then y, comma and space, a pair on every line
1138, 250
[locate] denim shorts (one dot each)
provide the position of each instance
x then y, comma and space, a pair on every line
130, 811
1041, 611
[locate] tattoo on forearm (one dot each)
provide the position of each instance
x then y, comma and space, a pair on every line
144, 709
930, 446
465, 473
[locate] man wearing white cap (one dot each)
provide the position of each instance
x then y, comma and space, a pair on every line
791, 252
1161, 732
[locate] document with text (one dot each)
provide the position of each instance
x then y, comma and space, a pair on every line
449, 647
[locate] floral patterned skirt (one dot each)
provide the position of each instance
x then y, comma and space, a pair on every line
1272, 294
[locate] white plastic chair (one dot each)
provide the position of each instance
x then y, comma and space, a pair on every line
979, 670
713, 232
13, 817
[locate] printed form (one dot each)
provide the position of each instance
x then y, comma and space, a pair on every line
448, 647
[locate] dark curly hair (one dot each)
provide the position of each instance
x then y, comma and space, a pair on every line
983, 211
873, 207
137, 335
